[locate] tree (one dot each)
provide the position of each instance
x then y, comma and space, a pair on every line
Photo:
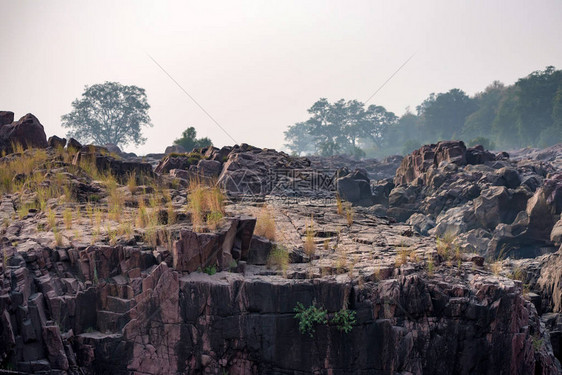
444, 114
504, 126
299, 140
479, 123
339, 127
189, 140
109, 113
536, 96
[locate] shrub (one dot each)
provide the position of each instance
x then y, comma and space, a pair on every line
310, 317
344, 320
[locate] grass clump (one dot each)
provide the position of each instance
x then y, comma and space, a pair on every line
67, 218
58, 237
205, 204
447, 249
430, 266
309, 245
51, 219
132, 182
349, 214
265, 224
339, 204
278, 258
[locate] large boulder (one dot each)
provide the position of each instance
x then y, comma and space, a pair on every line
56, 142
355, 187
497, 204
175, 149
27, 132
477, 155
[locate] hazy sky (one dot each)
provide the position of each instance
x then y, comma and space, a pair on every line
257, 66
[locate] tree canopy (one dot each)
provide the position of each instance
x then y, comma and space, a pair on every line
189, 140
338, 127
109, 113
527, 113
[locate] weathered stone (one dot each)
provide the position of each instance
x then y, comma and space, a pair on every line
259, 250
27, 132
56, 142
74, 144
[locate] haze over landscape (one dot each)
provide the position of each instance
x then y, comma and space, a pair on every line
256, 67
290, 187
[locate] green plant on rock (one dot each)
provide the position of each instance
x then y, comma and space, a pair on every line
309, 317
344, 320
210, 270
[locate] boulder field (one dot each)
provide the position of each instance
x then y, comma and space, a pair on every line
443, 262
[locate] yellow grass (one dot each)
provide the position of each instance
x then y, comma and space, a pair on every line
265, 224
67, 218
205, 204
278, 258
309, 245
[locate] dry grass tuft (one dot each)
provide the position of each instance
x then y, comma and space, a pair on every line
132, 182
67, 218
339, 204
205, 204
349, 214
265, 224
309, 244
278, 258
447, 248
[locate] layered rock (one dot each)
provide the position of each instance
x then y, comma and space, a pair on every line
100, 158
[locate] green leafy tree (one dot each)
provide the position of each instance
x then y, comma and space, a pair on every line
299, 139
504, 126
479, 123
536, 96
109, 113
189, 140
444, 114
339, 127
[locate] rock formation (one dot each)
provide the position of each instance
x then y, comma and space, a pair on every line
107, 274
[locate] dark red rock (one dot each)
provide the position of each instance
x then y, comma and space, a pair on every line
74, 144
56, 142
27, 132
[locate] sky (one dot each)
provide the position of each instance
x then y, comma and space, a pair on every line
257, 66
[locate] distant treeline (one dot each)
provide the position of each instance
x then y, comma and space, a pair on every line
528, 113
